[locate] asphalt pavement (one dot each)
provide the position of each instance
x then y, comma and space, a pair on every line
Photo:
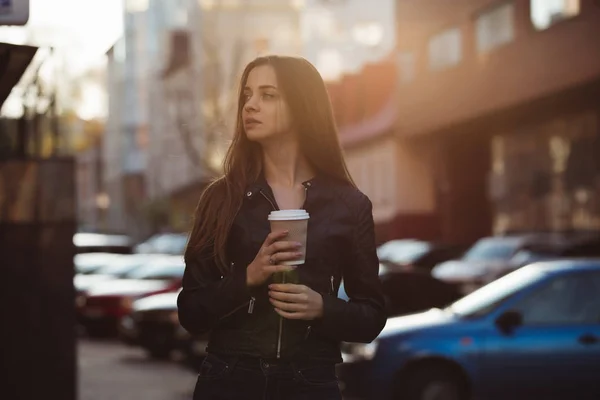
109, 370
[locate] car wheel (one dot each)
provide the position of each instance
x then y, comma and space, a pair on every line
433, 383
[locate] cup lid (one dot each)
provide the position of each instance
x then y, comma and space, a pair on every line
288, 215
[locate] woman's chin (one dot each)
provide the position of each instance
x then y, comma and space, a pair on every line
259, 136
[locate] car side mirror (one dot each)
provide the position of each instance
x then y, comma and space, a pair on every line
508, 321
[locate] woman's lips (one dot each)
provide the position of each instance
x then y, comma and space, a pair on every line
251, 123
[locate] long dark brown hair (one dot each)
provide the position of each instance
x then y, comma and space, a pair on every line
305, 93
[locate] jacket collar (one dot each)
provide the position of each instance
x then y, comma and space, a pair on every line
261, 184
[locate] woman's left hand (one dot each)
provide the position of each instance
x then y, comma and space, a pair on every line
296, 301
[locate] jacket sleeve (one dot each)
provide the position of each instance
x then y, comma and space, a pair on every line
363, 317
207, 297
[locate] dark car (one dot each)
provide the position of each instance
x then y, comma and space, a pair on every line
411, 291
487, 259
532, 334
104, 304
417, 254
154, 325
576, 246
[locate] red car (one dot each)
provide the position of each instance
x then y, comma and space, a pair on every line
104, 305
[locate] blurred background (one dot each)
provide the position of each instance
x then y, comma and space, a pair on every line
473, 126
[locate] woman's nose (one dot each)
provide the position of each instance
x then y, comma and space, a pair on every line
251, 104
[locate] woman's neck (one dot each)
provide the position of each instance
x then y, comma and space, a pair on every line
285, 165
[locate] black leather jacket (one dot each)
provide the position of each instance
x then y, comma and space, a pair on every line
340, 245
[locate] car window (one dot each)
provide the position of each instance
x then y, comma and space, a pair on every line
486, 299
492, 249
122, 266
528, 256
402, 251
90, 263
158, 271
567, 299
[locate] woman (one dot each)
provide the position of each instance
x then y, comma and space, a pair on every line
273, 340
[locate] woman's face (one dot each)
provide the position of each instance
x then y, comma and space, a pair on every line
265, 114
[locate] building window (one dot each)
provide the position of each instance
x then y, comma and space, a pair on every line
495, 27
406, 66
445, 49
545, 13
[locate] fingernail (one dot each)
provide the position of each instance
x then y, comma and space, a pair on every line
298, 244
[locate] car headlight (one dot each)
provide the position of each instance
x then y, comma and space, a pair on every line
359, 351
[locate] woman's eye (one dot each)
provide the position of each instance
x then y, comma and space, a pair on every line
246, 97
268, 96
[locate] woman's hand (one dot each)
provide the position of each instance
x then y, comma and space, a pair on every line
273, 251
296, 301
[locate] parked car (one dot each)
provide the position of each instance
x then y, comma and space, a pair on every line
119, 266
100, 242
483, 261
164, 243
88, 263
532, 334
417, 254
411, 291
572, 246
154, 325
104, 304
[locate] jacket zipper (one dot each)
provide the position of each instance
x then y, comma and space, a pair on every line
269, 200
250, 304
280, 327
332, 286
236, 309
251, 307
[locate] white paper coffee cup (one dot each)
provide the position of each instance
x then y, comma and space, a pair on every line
296, 222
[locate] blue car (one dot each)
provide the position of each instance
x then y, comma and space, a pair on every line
532, 334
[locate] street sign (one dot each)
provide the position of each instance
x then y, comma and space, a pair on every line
14, 12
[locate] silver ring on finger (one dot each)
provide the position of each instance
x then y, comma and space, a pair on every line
271, 260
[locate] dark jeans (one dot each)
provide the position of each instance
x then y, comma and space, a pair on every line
244, 378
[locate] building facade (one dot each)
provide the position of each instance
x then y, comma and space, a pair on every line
505, 96
392, 172
173, 92
136, 110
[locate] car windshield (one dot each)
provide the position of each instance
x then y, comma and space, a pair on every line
492, 249
527, 256
402, 251
486, 299
90, 263
158, 271
122, 266
167, 243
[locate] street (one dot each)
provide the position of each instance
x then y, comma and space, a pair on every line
109, 370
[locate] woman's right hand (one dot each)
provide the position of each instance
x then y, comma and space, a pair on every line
273, 251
